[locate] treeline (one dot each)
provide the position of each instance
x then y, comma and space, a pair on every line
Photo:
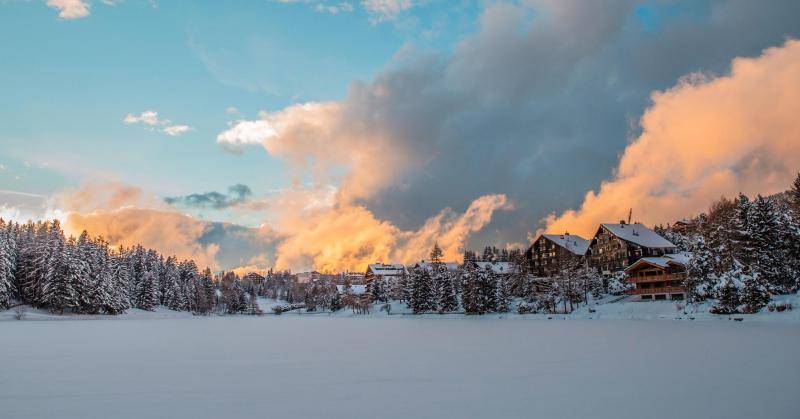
744, 251
502, 285
41, 267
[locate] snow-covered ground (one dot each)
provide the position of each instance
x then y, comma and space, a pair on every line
314, 366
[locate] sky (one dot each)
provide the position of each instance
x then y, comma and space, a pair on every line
305, 134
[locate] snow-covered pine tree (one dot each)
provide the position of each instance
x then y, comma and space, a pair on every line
58, 291
445, 290
468, 276
7, 261
147, 298
172, 296
487, 290
754, 294
794, 197
701, 276
742, 243
767, 254
504, 294
421, 291
189, 278
728, 291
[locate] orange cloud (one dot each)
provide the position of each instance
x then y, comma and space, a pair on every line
350, 237
701, 139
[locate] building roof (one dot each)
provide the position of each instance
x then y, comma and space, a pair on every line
638, 234
680, 259
575, 244
451, 266
354, 289
386, 269
497, 267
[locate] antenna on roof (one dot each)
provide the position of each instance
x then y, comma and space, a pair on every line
630, 214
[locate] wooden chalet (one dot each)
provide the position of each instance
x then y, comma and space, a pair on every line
617, 246
659, 278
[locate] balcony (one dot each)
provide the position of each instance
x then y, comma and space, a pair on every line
656, 278
657, 290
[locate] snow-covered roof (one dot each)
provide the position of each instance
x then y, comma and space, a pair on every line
387, 269
639, 234
681, 259
451, 266
575, 244
497, 267
354, 289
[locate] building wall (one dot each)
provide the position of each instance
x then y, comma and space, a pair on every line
546, 258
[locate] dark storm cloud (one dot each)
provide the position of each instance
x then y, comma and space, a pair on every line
541, 101
237, 194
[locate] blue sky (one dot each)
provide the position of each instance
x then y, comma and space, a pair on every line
68, 83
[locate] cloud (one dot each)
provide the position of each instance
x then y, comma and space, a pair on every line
70, 9
350, 237
237, 195
383, 10
537, 104
705, 137
342, 7
151, 120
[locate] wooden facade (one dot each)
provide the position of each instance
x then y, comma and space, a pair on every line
659, 278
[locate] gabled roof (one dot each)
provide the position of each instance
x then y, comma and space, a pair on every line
575, 244
638, 234
386, 269
451, 266
497, 267
675, 259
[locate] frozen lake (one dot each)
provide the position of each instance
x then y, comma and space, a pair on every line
315, 367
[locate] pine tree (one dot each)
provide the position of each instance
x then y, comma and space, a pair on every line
727, 293
701, 275
422, 291
172, 296
487, 290
447, 300
147, 298
504, 294
436, 254
754, 294
794, 197
469, 285
58, 291
7, 262
768, 257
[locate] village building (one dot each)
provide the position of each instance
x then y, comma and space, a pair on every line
308, 277
357, 289
550, 253
380, 271
659, 277
500, 269
617, 246
684, 227
451, 266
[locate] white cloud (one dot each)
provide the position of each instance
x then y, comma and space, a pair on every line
70, 9
151, 120
175, 130
383, 10
245, 132
343, 7
232, 110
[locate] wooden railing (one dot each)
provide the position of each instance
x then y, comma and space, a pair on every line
656, 278
657, 290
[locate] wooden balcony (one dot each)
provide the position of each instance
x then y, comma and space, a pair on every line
656, 278
657, 290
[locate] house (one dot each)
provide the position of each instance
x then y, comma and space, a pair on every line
384, 271
254, 278
659, 277
549, 253
308, 277
350, 277
617, 246
499, 268
684, 227
451, 266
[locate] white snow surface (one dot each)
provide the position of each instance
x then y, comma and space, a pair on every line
146, 365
